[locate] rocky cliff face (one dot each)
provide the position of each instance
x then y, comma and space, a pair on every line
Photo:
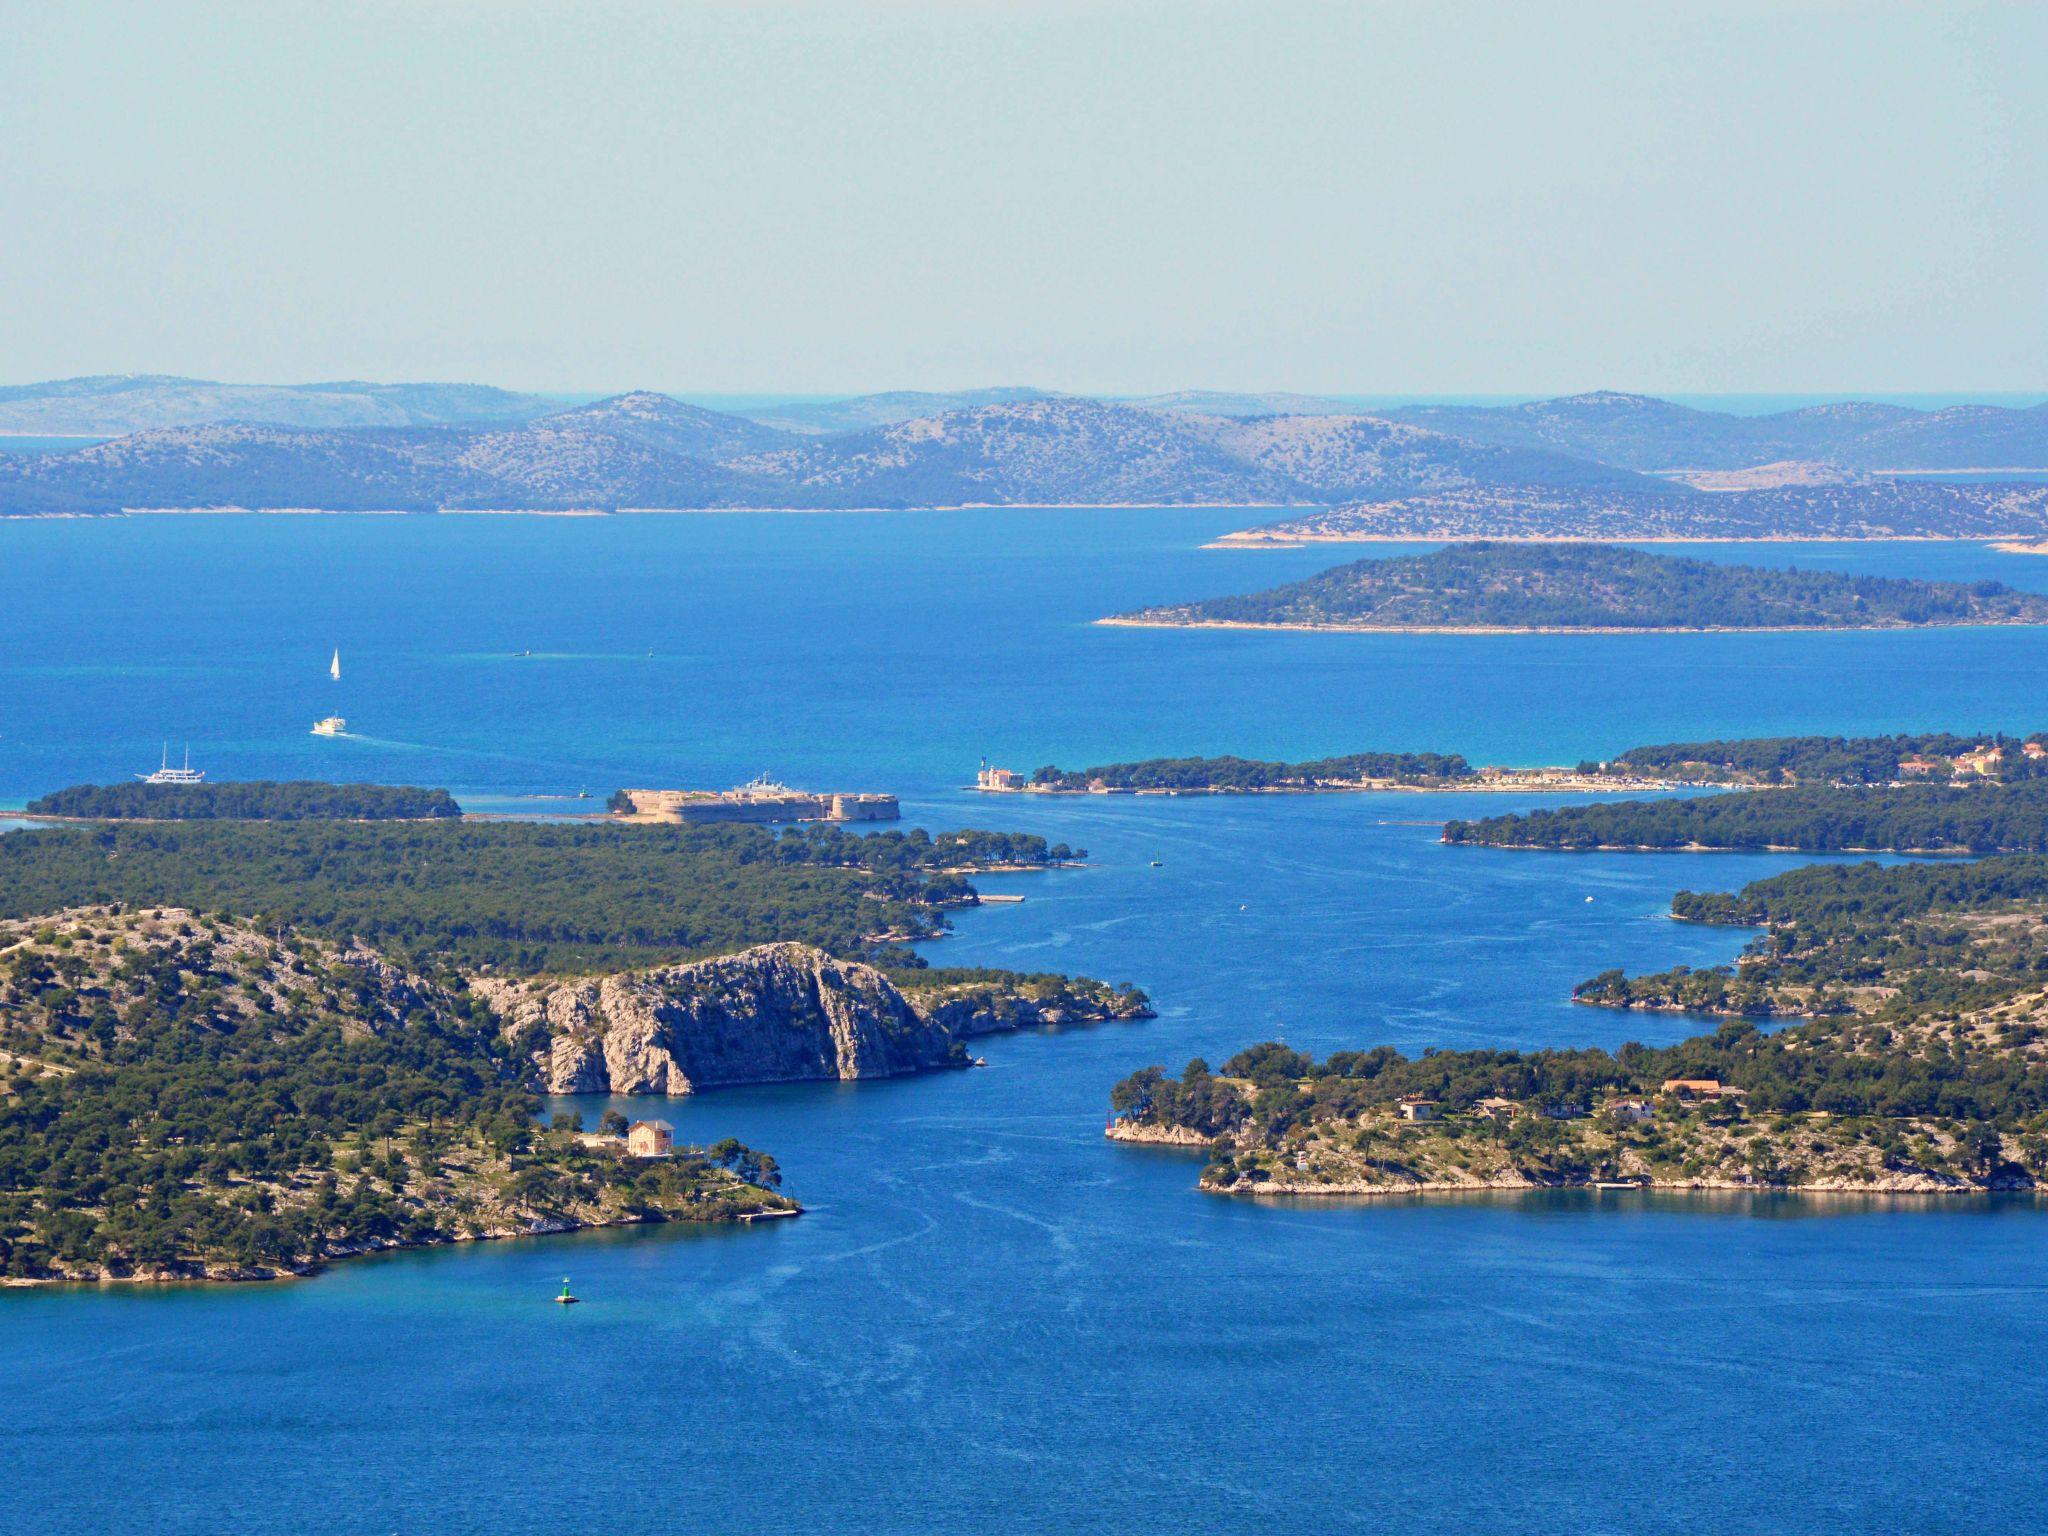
776, 1013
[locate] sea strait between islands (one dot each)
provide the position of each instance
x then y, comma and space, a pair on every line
1128, 1015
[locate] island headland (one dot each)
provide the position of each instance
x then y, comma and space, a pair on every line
1501, 588
399, 1032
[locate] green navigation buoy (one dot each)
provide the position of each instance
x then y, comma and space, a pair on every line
565, 1299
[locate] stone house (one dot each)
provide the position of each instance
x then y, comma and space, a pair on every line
650, 1138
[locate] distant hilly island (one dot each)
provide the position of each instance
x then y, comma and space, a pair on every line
649, 451
111, 405
1494, 588
1605, 464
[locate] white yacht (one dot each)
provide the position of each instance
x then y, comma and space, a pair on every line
333, 725
166, 774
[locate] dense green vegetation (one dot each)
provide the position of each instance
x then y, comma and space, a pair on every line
525, 896
1923, 818
1849, 1100
183, 1095
1894, 940
1243, 773
1918, 1060
1826, 759
1598, 586
249, 800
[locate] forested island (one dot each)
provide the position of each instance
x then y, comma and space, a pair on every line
1933, 757
247, 800
1242, 775
1591, 588
1976, 819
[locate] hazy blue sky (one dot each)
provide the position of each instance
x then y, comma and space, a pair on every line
770, 195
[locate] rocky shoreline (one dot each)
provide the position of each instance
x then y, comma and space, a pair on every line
1135, 1134
235, 1274
1917, 1182
1289, 1182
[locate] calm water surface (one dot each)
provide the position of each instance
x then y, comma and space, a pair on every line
990, 1320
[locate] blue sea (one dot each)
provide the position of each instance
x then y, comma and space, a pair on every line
990, 1320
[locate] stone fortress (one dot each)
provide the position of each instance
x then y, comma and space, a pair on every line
761, 800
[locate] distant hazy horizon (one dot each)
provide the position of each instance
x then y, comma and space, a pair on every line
1740, 403
1118, 196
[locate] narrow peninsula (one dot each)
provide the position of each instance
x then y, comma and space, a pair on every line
1498, 588
247, 800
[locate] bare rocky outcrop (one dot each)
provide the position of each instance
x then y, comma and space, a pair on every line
775, 1013
1140, 1133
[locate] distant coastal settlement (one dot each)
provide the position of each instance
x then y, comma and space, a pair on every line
1826, 509
1766, 762
1501, 588
239, 1048
1920, 1065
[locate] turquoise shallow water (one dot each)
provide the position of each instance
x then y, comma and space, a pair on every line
991, 1320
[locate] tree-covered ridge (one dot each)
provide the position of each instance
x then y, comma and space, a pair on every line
1933, 1104
1919, 1061
1916, 818
1494, 586
1241, 773
1932, 755
248, 800
187, 1096
525, 897
1894, 941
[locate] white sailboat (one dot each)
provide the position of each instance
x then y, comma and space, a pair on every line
333, 725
